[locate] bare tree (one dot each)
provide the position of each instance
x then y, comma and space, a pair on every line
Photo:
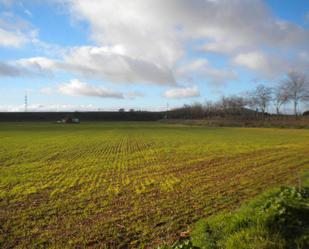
296, 86
197, 110
280, 97
260, 97
232, 104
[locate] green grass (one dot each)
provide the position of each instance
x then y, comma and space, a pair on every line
120, 185
276, 219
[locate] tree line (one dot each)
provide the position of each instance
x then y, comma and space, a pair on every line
293, 89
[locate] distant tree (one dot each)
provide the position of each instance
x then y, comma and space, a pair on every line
260, 98
232, 104
296, 87
280, 97
211, 108
197, 110
121, 110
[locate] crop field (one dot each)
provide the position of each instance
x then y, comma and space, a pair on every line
132, 185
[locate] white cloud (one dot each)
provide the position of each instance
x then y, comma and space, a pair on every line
11, 39
202, 68
107, 63
178, 93
135, 25
269, 65
37, 64
158, 31
195, 65
151, 41
78, 88
252, 60
7, 70
111, 63
221, 47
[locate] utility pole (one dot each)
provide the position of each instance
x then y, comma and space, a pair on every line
26, 102
167, 110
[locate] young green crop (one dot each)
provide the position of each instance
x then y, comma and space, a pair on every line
130, 185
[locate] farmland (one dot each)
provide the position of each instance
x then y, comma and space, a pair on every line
129, 184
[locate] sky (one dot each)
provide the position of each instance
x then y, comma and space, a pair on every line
69, 55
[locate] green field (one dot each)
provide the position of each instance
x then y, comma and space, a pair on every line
129, 185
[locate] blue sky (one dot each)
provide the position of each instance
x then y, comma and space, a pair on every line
143, 54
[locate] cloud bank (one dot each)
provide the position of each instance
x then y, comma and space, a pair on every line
167, 43
159, 31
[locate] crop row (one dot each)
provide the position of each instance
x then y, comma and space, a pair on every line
134, 187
